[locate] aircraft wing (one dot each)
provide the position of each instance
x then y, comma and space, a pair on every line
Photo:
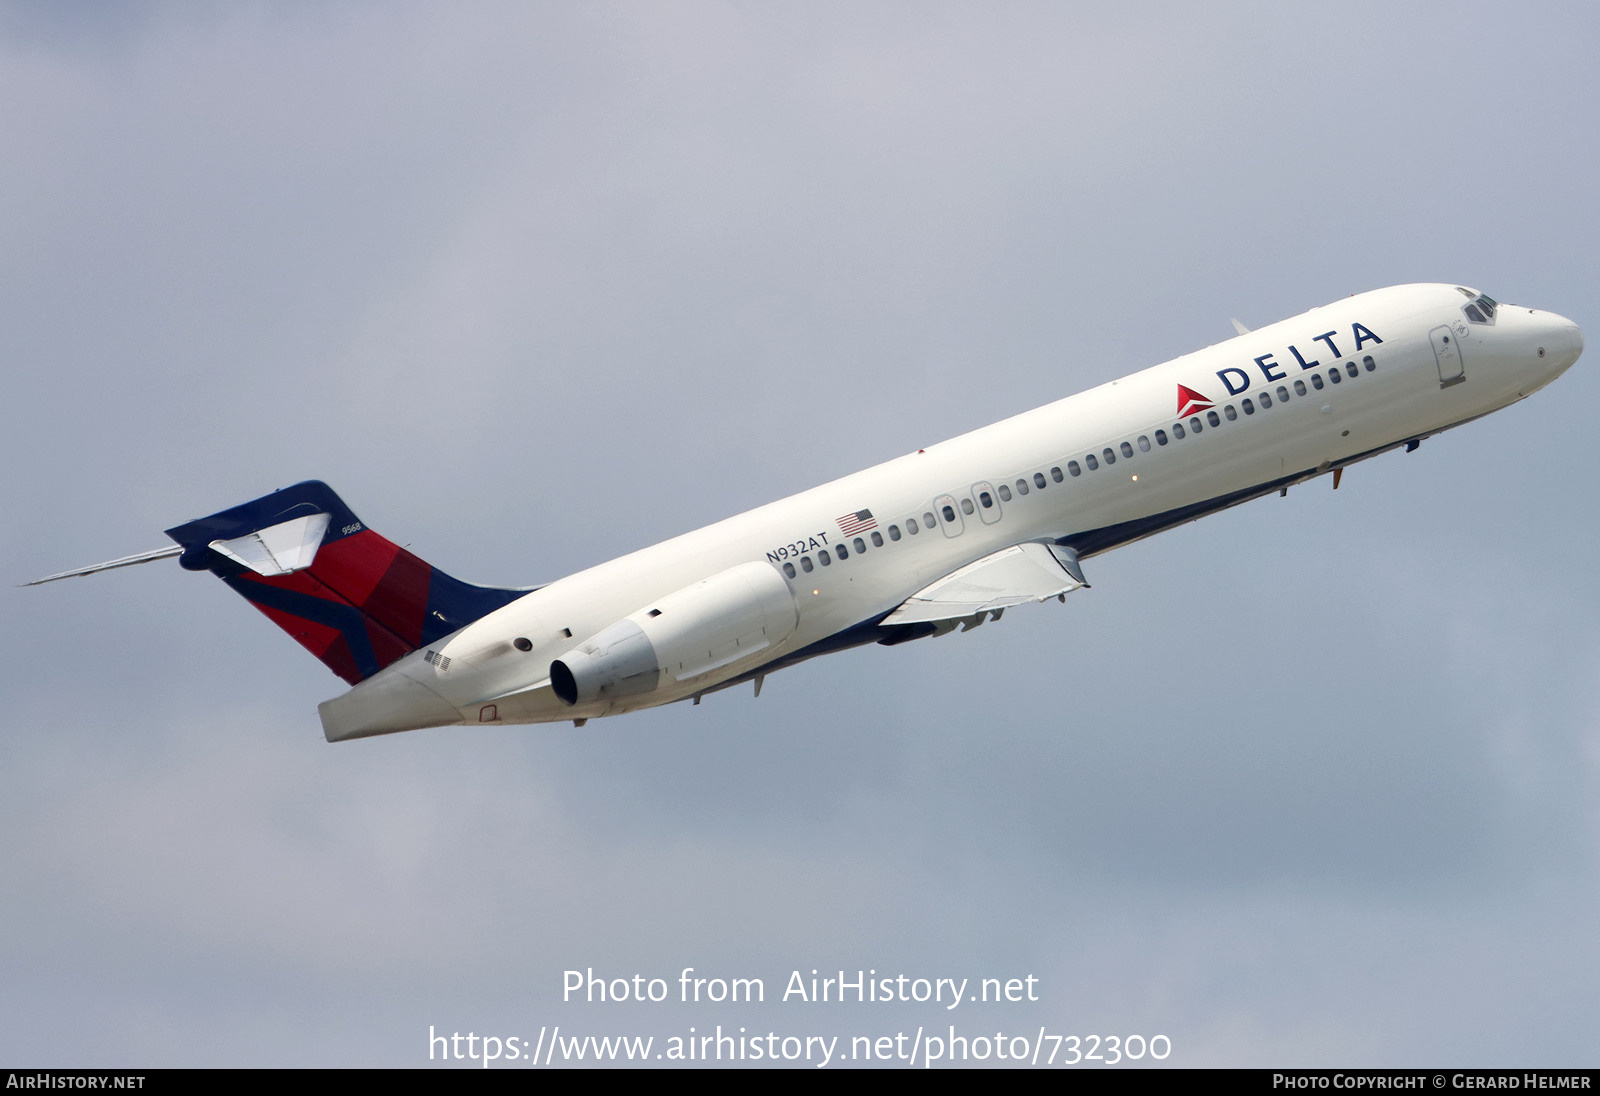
1011, 576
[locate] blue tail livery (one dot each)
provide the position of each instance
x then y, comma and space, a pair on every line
348, 595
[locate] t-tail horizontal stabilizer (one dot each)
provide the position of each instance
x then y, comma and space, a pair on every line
280, 549
125, 561
355, 600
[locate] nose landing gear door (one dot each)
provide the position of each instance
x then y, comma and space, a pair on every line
1448, 352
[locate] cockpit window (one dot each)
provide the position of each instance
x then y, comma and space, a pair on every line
1481, 310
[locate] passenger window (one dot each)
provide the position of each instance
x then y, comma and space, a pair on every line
1005, 493
1144, 444
824, 558
1333, 375
1211, 417
1110, 457
877, 539
788, 569
1091, 462
911, 526
1161, 437
1369, 363
1350, 368
1316, 381
949, 514
927, 519
1266, 400
1127, 450
966, 507
894, 532
805, 564
1194, 423
1283, 394
1038, 480
1177, 430
1299, 388
1055, 474
861, 546
1074, 468
985, 500
842, 552
1233, 415
1022, 487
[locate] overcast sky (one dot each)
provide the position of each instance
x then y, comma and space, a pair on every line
1312, 782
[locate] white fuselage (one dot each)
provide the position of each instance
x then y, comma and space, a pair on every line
1409, 364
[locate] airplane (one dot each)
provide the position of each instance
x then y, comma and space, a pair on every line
947, 537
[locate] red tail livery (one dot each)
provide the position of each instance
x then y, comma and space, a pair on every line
349, 596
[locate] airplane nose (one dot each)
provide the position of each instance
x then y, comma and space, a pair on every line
1568, 339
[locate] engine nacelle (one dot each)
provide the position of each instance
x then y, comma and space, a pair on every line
693, 632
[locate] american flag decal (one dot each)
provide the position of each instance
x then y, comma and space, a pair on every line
858, 522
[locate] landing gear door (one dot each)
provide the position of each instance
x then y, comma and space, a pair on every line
1448, 352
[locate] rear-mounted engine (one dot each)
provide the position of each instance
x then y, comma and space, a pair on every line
692, 633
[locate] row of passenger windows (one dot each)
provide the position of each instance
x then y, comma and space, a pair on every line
1039, 482
842, 551
1229, 412
1004, 491
929, 521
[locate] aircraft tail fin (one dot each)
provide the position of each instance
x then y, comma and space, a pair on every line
349, 596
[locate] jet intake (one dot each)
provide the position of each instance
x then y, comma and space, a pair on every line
691, 633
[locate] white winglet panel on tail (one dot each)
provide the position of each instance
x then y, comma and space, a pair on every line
279, 550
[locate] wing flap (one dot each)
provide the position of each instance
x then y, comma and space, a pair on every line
1011, 576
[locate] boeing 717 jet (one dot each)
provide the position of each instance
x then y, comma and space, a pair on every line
948, 537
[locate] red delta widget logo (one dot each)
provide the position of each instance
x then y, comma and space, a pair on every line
1190, 401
